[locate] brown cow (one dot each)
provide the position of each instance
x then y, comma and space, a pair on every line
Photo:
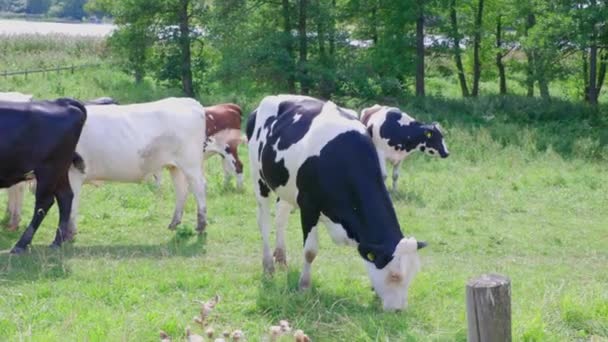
223, 138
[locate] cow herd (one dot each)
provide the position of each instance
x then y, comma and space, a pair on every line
313, 155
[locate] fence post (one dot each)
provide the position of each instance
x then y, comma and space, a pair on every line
489, 308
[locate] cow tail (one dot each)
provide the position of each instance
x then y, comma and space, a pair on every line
78, 162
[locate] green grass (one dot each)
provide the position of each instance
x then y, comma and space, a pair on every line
523, 193
538, 218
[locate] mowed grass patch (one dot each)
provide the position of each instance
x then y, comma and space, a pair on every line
534, 216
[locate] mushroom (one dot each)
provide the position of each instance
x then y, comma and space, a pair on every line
193, 337
164, 337
275, 332
300, 336
237, 335
284, 324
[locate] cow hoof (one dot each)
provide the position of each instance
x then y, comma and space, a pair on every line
280, 257
12, 228
54, 246
173, 225
18, 250
268, 267
201, 227
304, 284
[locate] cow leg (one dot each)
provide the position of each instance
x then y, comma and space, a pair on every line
198, 186
382, 162
44, 201
76, 179
262, 193
311, 248
157, 178
65, 197
14, 205
181, 193
310, 219
396, 169
281, 217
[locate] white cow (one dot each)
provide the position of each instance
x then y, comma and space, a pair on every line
17, 191
125, 143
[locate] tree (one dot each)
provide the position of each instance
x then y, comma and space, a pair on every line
456, 38
288, 45
184, 43
420, 49
38, 6
303, 46
476, 48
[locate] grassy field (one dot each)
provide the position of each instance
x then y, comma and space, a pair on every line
524, 193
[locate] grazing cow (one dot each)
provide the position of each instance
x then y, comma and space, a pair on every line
396, 135
15, 192
38, 139
125, 143
316, 156
223, 137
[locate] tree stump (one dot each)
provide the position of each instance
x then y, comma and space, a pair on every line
489, 308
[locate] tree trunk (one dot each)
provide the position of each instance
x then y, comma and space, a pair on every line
499, 64
304, 84
543, 87
592, 96
374, 20
323, 59
184, 42
420, 49
291, 77
602, 73
476, 48
456, 48
530, 21
585, 75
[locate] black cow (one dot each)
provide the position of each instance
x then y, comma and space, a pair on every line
38, 139
317, 156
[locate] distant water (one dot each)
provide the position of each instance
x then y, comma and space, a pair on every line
10, 27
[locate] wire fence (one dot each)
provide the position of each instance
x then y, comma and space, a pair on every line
70, 68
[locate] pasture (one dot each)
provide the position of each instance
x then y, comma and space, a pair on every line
524, 193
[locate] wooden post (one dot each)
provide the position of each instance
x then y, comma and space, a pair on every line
489, 308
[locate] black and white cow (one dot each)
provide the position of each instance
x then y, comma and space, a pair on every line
38, 139
316, 156
396, 135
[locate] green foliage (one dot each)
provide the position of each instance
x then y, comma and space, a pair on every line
15, 6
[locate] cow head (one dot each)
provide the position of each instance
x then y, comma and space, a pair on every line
391, 282
432, 142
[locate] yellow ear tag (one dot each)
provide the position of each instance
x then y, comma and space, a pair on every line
429, 134
371, 256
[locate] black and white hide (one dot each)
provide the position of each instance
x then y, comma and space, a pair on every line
318, 157
397, 135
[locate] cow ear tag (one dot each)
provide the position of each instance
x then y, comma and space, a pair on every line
371, 256
429, 134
